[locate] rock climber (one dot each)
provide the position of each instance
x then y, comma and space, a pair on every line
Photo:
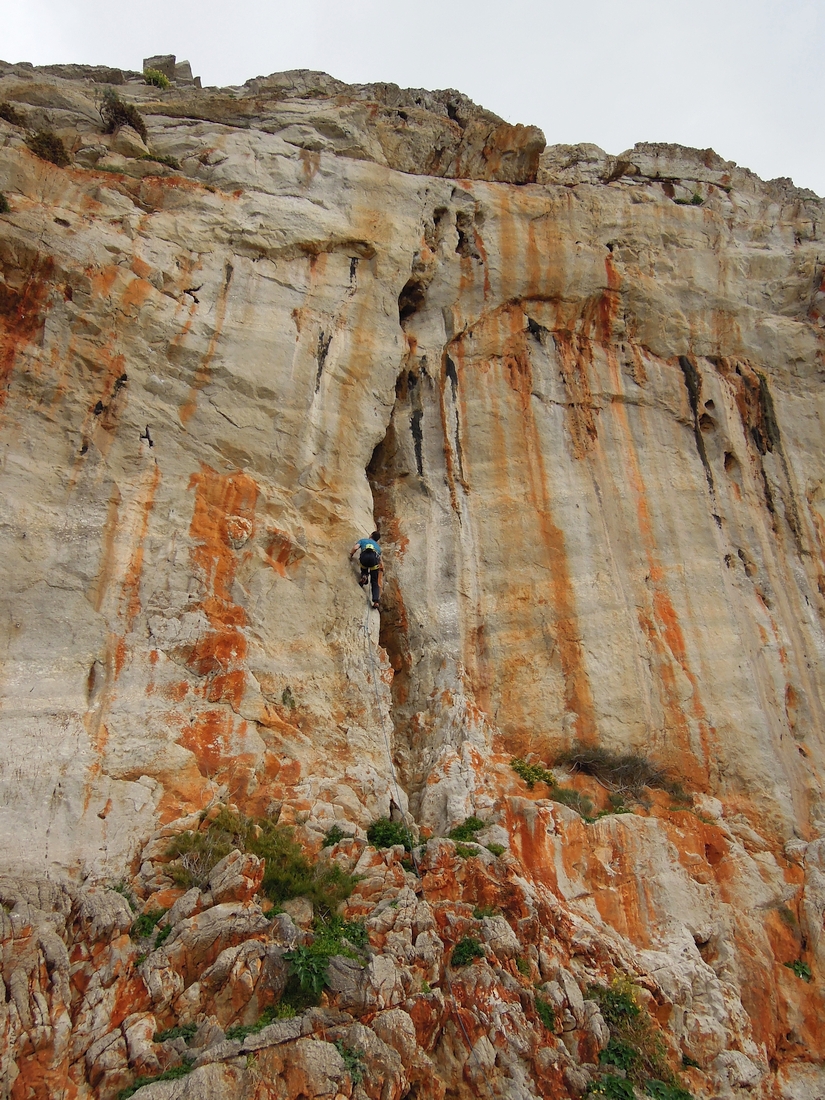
372, 568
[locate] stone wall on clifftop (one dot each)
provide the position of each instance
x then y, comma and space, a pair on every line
582, 397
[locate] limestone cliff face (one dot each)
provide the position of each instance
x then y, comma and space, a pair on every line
582, 397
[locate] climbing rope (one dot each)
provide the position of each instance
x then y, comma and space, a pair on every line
450, 994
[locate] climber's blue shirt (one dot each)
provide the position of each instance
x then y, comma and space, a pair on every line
370, 544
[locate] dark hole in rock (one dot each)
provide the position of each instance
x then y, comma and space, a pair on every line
411, 299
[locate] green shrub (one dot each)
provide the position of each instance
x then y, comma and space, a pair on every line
115, 113
12, 115
662, 1090
696, 199
287, 698
334, 936
4, 204
465, 951
240, 1031
145, 923
333, 836
572, 798
182, 1031
384, 833
482, 911
288, 873
801, 969
167, 1075
523, 966
496, 849
635, 1044
532, 773
625, 773
162, 936
688, 1062
48, 146
546, 1013
613, 1088
464, 851
620, 1054
156, 78
353, 1061
467, 829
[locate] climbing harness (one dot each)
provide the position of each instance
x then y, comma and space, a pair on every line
450, 994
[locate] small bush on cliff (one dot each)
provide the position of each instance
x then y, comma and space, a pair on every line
11, 115
167, 1075
156, 78
623, 773
467, 829
145, 924
114, 113
4, 204
309, 964
613, 1088
465, 951
532, 773
384, 833
801, 969
636, 1044
546, 1013
48, 146
288, 872
353, 1061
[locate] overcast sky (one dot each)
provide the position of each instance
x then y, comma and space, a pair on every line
742, 76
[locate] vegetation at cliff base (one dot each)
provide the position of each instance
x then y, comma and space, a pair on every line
288, 872
115, 113
48, 146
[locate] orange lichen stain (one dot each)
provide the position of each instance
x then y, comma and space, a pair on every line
202, 375
22, 314
103, 279
135, 294
134, 571
282, 551
163, 899
176, 692
141, 268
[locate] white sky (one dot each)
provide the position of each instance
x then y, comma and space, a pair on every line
742, 76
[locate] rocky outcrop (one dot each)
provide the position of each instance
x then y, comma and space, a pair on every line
581, 395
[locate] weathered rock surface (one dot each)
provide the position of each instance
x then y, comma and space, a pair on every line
582, 396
